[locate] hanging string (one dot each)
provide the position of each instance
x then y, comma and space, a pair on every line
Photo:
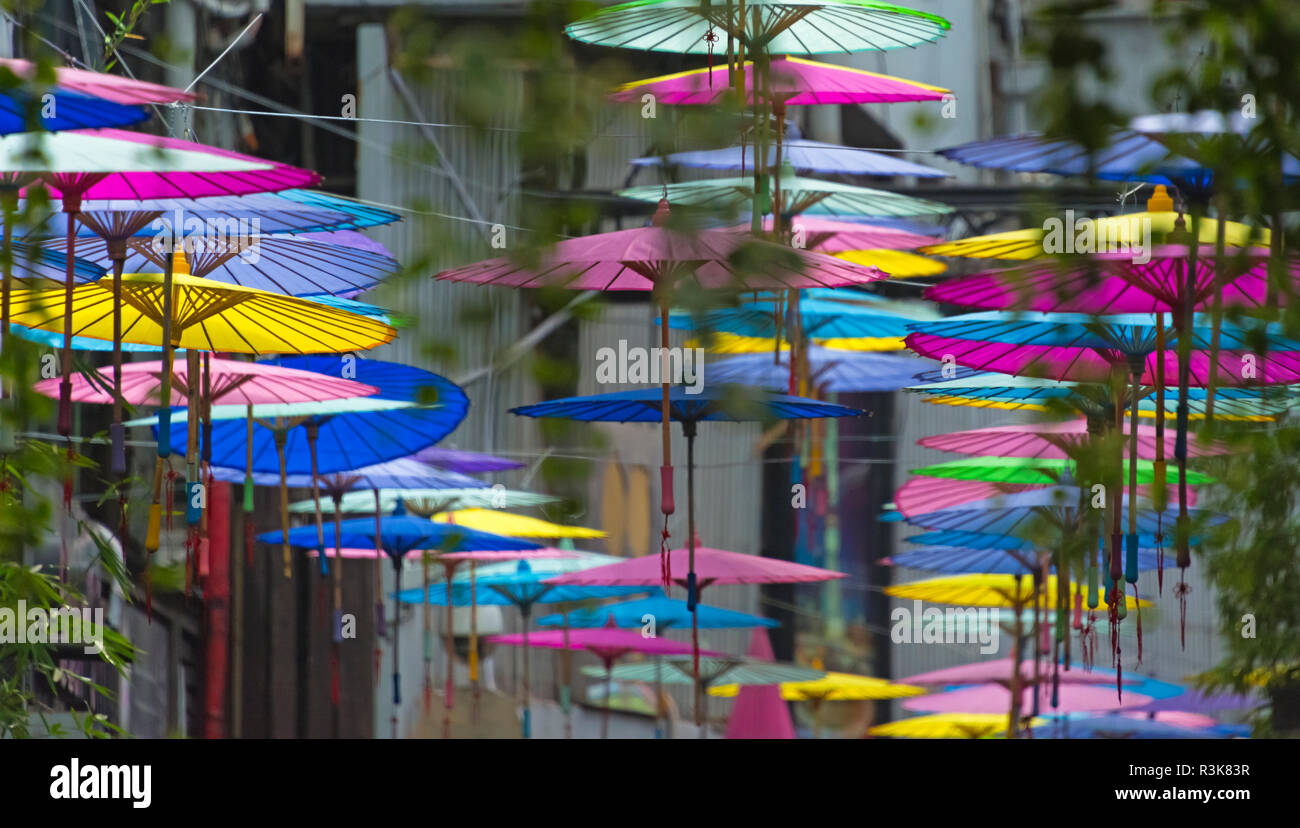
665, 560
1160, 552
1182, 591
710, 38
1138, 600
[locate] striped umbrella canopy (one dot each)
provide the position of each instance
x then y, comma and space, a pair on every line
792, 81
830, 236
803, 155
801, 27
115, 88
362, 214
28, 107
32, 263
287, 264
808, 196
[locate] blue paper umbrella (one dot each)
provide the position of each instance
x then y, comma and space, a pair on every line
993, 560
399, 534
1116, 726
802, 154
519, 585
281, 263
663, 612
361, 214
714, 402
822, 314
830, 370
1128, 156
55, 109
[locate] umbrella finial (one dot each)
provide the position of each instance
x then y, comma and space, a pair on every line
661, 214
180, 265
1160, 201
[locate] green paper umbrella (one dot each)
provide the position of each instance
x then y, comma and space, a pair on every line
803, 27
1035, 471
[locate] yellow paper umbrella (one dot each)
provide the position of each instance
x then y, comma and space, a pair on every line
899, 264
728, 343
983, 590
832, 687
514, 526
948, 726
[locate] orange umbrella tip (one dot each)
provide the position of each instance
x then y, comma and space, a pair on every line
180, 265
1160, 202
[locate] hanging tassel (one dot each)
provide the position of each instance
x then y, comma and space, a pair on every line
1182, 591
665, 560
710, 38
1138, 599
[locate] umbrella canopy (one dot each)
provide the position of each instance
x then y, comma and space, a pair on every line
479, 555
26, 106
897, 263
515, 526
712, 566
380, 475
1084, 348
1023, 511
660, 258
523, 584
1049, 440
667, 613
467, 462
228, 382
802, 154
809, 196
399, 533
830, 236
113, 88
362, 214
1038, 471
927, 494
984, 590
287, 264
351, 433
802, 27
1197, 701
1127, 230
948, 726
759, 712
606, 643
714, 403
832, 687
992, 698
823, 314
476, 494
734, 669
1115, 283
999, 670
1119, 726
961, 559
830, 370
791, 81
33, 264
207, 315
112, 163
204, 219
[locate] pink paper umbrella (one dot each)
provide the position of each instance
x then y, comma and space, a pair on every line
712, 566
1057, 441
998, 671
228, 383
607, 643
659, 258
929, 494
994, 698
113, 88
829, 236
793, 82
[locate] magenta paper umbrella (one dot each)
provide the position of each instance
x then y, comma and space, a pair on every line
225, 382
792, 82
658, 258
1051, 440
995, 698
607, 643
921, 494
113, 88
829, 236
999, 671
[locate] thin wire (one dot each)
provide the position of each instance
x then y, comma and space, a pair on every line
224, 51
